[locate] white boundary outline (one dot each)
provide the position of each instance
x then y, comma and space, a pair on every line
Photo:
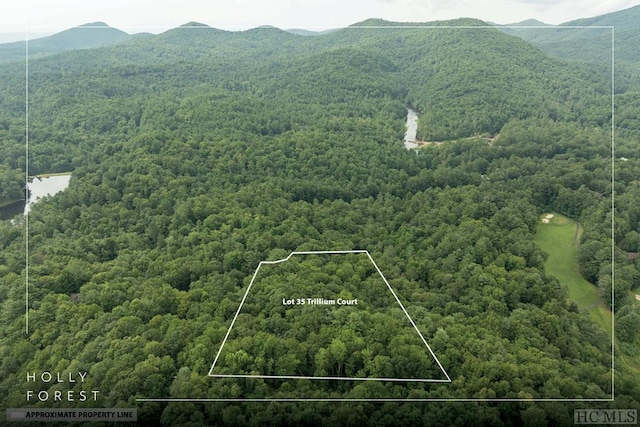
26, 182
355, 251
498, 27
373, 400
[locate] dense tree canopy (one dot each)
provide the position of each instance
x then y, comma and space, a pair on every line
196, 154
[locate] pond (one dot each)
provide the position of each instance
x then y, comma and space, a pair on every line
38, 187
12, 210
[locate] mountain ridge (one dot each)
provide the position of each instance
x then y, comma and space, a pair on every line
101, 34
447, 62
85, 36
590, 45
621, 18
528, 22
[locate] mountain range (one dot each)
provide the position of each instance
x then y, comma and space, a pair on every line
464, 82
582, 44
198, 153
589, 38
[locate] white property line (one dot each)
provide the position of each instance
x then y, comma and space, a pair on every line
355, 251
296, 377
613, 217
330, 399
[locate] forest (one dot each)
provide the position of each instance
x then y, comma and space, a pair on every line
199, 153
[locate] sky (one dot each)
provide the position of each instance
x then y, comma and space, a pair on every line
49, 16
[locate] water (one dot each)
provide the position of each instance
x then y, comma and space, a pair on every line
412, 129
48, 186
38, 188
12, 210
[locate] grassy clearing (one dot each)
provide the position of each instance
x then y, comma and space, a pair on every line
557, 238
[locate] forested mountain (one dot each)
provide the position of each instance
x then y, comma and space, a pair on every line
527, 23
593, 45
82, 37
198, 153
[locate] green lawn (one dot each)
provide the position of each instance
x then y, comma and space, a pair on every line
557, 238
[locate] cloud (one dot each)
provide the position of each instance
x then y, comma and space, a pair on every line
540, 2
243, 14
603, 7
542, 5
588, 7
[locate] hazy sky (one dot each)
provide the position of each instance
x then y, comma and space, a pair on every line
158, 15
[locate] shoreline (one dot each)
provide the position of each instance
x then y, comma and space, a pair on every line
7, 204
49, 175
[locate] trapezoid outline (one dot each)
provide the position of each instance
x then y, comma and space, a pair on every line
354, 251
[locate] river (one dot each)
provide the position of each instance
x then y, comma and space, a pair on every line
38, 187
412, 129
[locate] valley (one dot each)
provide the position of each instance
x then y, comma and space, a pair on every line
202, 156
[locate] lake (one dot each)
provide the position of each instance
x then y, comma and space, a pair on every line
39, 187
46, 186
9, 211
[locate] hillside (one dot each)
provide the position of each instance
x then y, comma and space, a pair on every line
82, 37
527, 23
202, 158
463, 82
591, 45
